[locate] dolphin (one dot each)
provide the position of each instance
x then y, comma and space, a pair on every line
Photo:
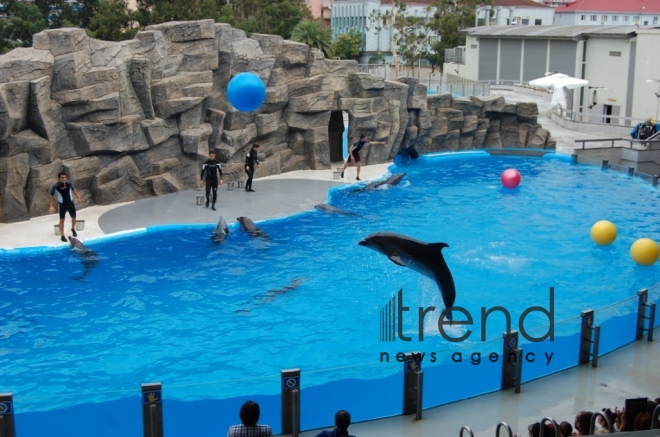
272, 294
88, 257
424, 258
221, 231
329, 208
248, 226
390, 182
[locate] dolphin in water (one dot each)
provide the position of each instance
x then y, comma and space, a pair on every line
221, 231
390, 182
424, 258
88, 257
248, 226
272, 294
329, 208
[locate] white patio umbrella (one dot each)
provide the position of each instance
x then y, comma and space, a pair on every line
557, 82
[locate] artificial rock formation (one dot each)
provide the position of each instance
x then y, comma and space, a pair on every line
136, 118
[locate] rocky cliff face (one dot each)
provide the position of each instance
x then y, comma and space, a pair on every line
137, 118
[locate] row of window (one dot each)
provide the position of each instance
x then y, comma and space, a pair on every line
615, 18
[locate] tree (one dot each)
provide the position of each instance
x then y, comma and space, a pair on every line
411, 36
21, 22
348, 45
450, 17
315, 34
276, 17
111, 20
161, 11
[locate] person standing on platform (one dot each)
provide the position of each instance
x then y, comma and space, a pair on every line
211, 174
251, 164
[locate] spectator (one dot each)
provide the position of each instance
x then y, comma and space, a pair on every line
644, 130
583, 422
248, 428
342, 422
604, 429
565, 429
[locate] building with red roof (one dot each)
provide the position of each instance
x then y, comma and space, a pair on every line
609, 12
515, 13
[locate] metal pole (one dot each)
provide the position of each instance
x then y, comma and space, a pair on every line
295, 404
594, 358
420, 386
519, 365
651, 322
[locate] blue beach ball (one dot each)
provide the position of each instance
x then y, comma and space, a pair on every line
246, 92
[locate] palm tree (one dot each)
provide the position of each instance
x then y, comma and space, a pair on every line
315, 34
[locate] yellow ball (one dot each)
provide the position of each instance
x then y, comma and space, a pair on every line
645, 251
603, 232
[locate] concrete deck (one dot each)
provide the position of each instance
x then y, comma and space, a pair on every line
629, 372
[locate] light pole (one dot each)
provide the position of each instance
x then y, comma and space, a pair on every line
657, 97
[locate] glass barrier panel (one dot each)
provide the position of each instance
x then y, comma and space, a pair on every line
618, 324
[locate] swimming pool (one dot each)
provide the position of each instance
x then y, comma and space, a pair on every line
216, 324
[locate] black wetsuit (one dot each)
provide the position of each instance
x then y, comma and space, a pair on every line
251, 160
357, 146
211, 174
64, 196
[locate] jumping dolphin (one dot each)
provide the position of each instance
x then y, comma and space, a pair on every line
248, 226
88, 257
390, 182
221, 231
329, 208
424, 258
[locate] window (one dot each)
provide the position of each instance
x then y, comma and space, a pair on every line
604, 18
525, 21
615, 18
625, 18
583, 18
618, 54
594, 18
636, 18
473, 46
537, 22
655, 20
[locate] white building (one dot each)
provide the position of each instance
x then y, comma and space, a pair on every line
515, 13
609, 12
372, 18
618, 62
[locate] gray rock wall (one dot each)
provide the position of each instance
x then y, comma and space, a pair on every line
137, 118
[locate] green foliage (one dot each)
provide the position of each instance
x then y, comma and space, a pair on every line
411, 35
111, 20
276, 17
348, 45
21, 23
315, 34
450, 17
161, 11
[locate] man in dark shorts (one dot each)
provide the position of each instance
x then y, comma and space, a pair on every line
211, 173
64, 191
354, 153
250, 161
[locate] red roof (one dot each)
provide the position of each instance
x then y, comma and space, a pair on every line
519, 4
615, 6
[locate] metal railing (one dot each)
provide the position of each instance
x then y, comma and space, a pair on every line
461, 86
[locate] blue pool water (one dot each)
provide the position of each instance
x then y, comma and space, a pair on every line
216, 324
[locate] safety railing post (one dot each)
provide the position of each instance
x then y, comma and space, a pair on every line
290, 401
606, 164
643, 295
651, 322
413, 379
594, 359
511, 362
585, 336
152, 409
7, 426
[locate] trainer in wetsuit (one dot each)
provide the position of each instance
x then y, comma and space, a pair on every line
250, 160
64, 191
354, 152
211, 173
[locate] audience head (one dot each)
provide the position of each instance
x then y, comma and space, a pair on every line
535, 430
642, 421
610, 415
583, 422
565, 429
342, 419
250, 413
